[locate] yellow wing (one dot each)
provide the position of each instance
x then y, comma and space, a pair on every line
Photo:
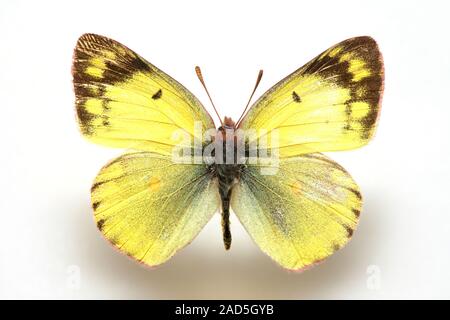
300, 215
332, 103
149, 207
124, 101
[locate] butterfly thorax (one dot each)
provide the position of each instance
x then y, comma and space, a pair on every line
227, 165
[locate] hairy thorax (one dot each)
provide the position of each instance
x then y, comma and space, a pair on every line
227, 166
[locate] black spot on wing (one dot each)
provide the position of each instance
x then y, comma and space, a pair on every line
95, 205
157, 95
356, 193
296, 97
96, 185
356, 212
140, 65
100, 224
347, 127
349, 231
84, 118
83, 115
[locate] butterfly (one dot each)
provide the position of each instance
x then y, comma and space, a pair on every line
150, 206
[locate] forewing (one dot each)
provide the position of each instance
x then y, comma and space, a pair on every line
332, 103
124, 101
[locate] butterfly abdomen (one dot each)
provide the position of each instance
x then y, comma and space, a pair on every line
227, 175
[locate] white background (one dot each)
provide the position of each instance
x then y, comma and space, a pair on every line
49, 245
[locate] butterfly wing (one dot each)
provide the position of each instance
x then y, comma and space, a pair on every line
124, 101
300, 215
308, 208
145, 204
332, 103
149, 207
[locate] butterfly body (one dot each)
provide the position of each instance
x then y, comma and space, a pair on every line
298, 205
227, 172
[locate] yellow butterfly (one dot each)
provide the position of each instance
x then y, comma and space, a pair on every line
149, 205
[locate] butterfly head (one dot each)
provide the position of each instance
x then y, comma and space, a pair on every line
227, 128
228, 123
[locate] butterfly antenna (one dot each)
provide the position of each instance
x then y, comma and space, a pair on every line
258, 80
200, 77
